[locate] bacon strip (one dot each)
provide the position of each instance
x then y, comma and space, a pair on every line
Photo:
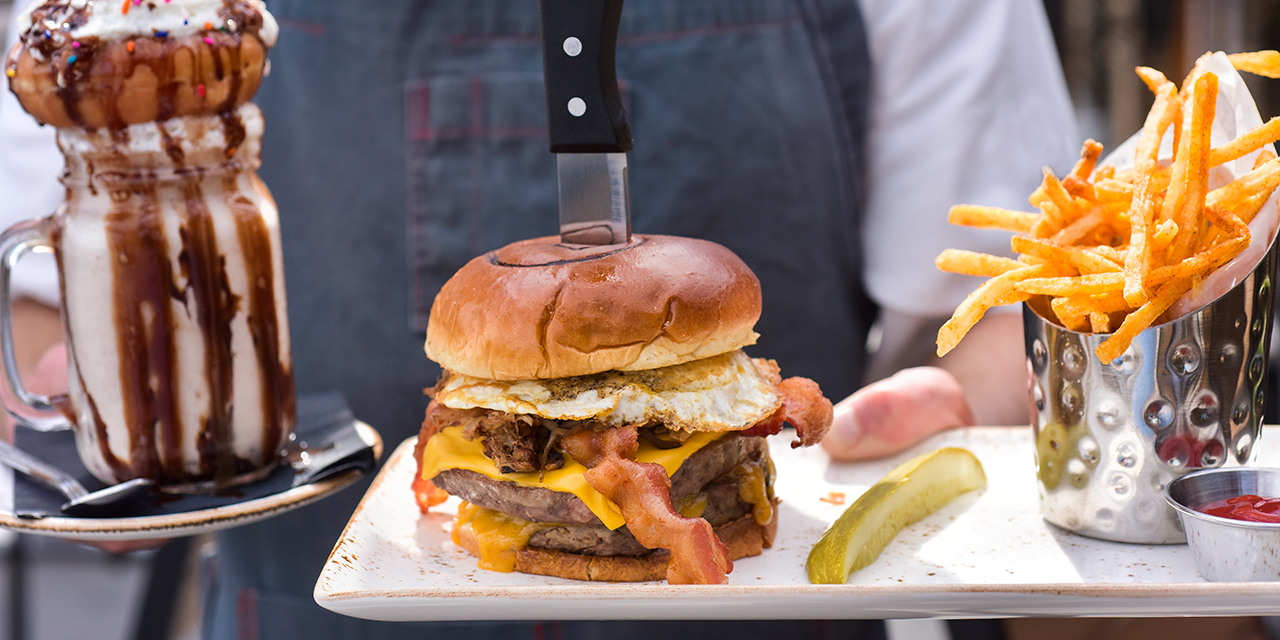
803, 407
643, 492
427, 494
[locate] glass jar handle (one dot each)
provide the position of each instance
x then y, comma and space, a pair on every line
36, 411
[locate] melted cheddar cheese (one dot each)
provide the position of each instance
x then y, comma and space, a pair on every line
449, 450
753, 490
498, 535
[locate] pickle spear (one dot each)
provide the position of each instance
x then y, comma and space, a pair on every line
913, 490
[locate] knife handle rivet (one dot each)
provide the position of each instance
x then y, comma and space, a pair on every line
572, 46
577, 107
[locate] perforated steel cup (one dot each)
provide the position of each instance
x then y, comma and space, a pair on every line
1187, 395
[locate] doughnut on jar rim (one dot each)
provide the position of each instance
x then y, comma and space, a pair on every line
93, 64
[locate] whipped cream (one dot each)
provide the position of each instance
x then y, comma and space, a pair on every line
109, 20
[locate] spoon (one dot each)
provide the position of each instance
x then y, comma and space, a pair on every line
79, 500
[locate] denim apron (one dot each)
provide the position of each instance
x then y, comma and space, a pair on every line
405, 137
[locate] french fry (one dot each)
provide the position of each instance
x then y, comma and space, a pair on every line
1113, 250
992, 218
1249, 209
1230, 196
993, 292
1264, 156
1078, 178
1135, 322
1066, 206
1083, 260
1079, 324
1175, 188
1079, 188
1138, 262
1113, 254
1089, 154
1086, 223
1063, 308
1081, 305
1086, 285
1108, 190
1252, 141
1152, 78
971, 263
1262, 63
1165, 232
1199, 118
1100, 322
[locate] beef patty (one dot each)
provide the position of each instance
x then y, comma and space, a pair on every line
536, 504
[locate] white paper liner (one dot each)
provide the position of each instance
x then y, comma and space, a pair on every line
1235, 115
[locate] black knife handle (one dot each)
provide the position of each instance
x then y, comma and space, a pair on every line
584, 106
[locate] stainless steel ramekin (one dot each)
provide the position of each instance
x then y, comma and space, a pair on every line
1228, 550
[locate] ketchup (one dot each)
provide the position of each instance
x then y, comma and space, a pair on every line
1248, 507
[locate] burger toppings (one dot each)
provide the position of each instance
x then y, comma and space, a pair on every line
643, 492
498, 536
722, 393
552, 499
506, 515
515, 443
803, 407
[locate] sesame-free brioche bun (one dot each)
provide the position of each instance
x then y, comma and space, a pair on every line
539, 309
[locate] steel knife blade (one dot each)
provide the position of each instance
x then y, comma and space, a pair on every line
586, 122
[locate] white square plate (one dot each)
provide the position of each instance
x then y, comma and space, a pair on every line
988, 554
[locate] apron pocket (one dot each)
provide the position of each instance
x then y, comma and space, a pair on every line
480, 175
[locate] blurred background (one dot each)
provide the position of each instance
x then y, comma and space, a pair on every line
50, 590
1101, 41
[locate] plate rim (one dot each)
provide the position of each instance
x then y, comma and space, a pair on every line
175, 525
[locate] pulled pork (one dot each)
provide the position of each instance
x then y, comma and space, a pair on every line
515, 443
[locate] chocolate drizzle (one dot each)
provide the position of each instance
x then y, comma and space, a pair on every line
172, 147
145, 337
232, 130
277, 393
216, 306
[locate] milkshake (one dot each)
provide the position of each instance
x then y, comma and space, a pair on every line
167, 243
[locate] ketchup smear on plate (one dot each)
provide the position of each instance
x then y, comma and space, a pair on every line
1248, 507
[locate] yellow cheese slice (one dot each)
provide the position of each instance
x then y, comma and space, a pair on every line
449, 450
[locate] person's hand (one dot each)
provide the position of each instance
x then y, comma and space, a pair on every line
890, 415
50, 375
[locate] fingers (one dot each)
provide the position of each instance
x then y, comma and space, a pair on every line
888, 416
50, 374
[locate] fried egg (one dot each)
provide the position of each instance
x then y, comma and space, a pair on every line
728, 392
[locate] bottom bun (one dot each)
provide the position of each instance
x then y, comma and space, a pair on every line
744, 537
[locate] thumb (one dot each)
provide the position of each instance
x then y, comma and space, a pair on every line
890, 415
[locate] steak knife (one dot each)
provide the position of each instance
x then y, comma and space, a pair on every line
589, 130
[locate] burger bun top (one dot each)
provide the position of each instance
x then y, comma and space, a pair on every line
540, 309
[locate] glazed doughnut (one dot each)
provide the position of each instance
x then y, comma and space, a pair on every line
96, 63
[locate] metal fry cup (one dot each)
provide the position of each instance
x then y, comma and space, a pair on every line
1187, 395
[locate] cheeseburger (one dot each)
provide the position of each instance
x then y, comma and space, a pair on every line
597, 415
